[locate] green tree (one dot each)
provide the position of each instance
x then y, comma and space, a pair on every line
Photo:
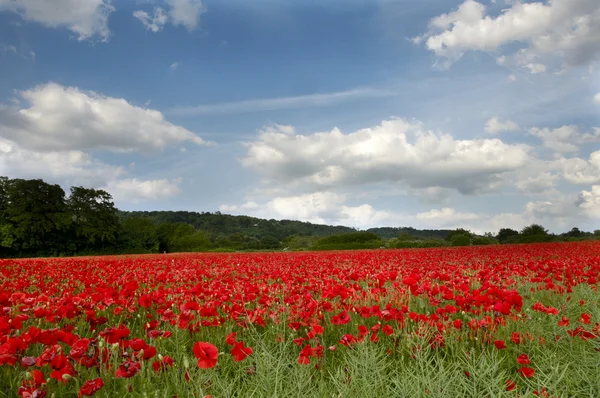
506, 233
534, 229
94, 216
269, 243
138, 234
458, 231
461, 240
36, 218
575, 233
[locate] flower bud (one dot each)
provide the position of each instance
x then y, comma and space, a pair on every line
186, 362
67, 377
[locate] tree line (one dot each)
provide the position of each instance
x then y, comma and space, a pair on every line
40, 219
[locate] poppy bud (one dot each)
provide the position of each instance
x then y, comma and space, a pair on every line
186, 362
67, 377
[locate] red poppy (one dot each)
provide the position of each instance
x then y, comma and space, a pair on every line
240, 352
523, 359
515, 338
128, 369
90, 387
230, 338
526, 372
510, 385
500, 344
206, 354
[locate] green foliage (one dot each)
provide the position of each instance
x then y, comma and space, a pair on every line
460, 239
351, 241
399, 243
458, 231
534, 229
139, 234
94, 217
506, 233
484, 240
36, 215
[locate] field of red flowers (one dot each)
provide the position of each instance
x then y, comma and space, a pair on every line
476, 321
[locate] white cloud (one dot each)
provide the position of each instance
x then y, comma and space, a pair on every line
266, 104
85, 18
186, 12
446, 216
135, 191
68, 167
597, 98
8, 49
535, 68
559, 213
589, 202
580, 171
394, 151
174, 65
569, 29
542, 182
71, 168
494, 126
66, 118
155, 23
180, 12
565, 138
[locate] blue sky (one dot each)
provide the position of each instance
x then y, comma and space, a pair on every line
437, 114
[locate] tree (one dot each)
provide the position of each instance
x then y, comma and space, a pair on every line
94, 216
139, 234
506, 233
37, 217
458, 231
461, 240
575, 233
269, 243
534, 229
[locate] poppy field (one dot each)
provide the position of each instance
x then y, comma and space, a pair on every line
520, 320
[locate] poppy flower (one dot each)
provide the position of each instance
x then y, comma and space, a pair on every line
230, 338
500, 344
526, 372
128, 369
206, 354
240, 352
510, 385
523, 359
90, 387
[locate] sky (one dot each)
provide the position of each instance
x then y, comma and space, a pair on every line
432, 114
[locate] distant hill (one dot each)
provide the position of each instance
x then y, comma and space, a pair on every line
225, 224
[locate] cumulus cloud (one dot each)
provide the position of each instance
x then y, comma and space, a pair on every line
565, 138
186, 12
589, 201
597, 98
133, 190
446, 216
558, 212
67, 118
580, 171
72, 168
569, 29
495, 126
181, 12
69, 167
154, 23
395, 151
85, 18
